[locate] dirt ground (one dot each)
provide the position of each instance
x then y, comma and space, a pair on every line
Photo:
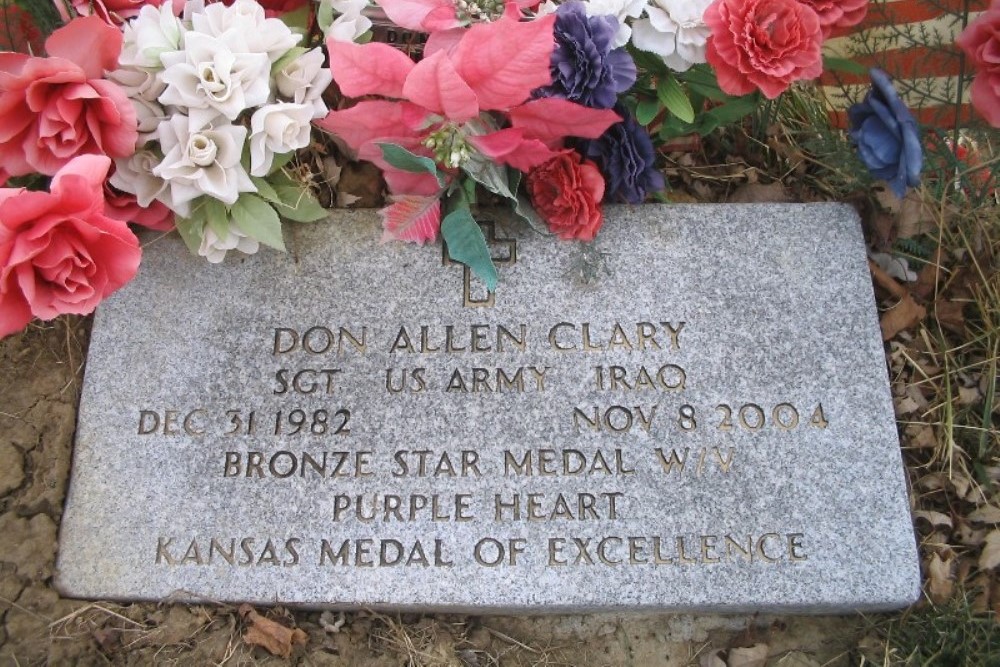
40, 374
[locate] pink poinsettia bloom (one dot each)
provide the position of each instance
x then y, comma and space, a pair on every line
452, 98
116, 12
54, 109
59, 252
436, 15
763, 45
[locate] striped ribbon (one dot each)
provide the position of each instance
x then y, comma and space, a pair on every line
912, 40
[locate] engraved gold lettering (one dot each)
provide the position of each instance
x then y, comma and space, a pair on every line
794, 545
761, 547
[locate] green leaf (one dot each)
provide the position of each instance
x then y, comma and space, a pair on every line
489, 174
400, 158
289, 55
701, 79
257, 219
297, 203
732, 111
467, 244
646, 110
297, 20
280, 160
324, 15
215, 214
190, 230
527, 212
672, 96
844, 65
265, 190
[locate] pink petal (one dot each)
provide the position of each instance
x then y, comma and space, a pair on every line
408, 183
435, 85
410, 218
14, 310
441, 18
505, 60
510, 147
551, 119
368, 69
410, 14
89, 42
368, 120
443, 40
88, 171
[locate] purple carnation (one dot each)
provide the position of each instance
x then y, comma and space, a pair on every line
626, 158
585, 66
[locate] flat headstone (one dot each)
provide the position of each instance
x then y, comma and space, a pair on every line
692, 413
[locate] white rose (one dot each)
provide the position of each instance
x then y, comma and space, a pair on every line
202, 160
347, 28
275, 129
135, 175
214, 249
304, 79
675, 31
351, 23
215, 75
153, 32
138, 83
620, 9
149, 115
263, 35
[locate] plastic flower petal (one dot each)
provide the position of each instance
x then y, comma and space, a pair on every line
887, 136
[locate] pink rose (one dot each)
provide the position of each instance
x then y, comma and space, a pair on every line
837, 13
765, 44
53, 109
567, 191
981, 43
59, 252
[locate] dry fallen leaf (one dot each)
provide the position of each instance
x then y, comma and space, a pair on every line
711, 659
796, 659
273, 637
902, 316
985, 514
941, 581
934, 518
757, 192
754, 656
990, 557
950, 315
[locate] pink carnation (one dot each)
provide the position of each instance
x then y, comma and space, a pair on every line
763, 44
981, 43
838, 13
59, 252
54, 109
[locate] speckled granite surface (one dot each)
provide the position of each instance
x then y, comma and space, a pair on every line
693, 413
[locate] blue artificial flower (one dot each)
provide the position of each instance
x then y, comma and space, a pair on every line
586, 68
886, 135
626, 158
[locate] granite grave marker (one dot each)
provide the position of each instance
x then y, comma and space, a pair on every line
691, 413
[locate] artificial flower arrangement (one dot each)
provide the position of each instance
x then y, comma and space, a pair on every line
187, 113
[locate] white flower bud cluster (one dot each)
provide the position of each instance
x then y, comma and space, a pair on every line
449, 146
479, 11
204, 86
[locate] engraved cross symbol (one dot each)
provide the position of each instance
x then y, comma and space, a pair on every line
507, 257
